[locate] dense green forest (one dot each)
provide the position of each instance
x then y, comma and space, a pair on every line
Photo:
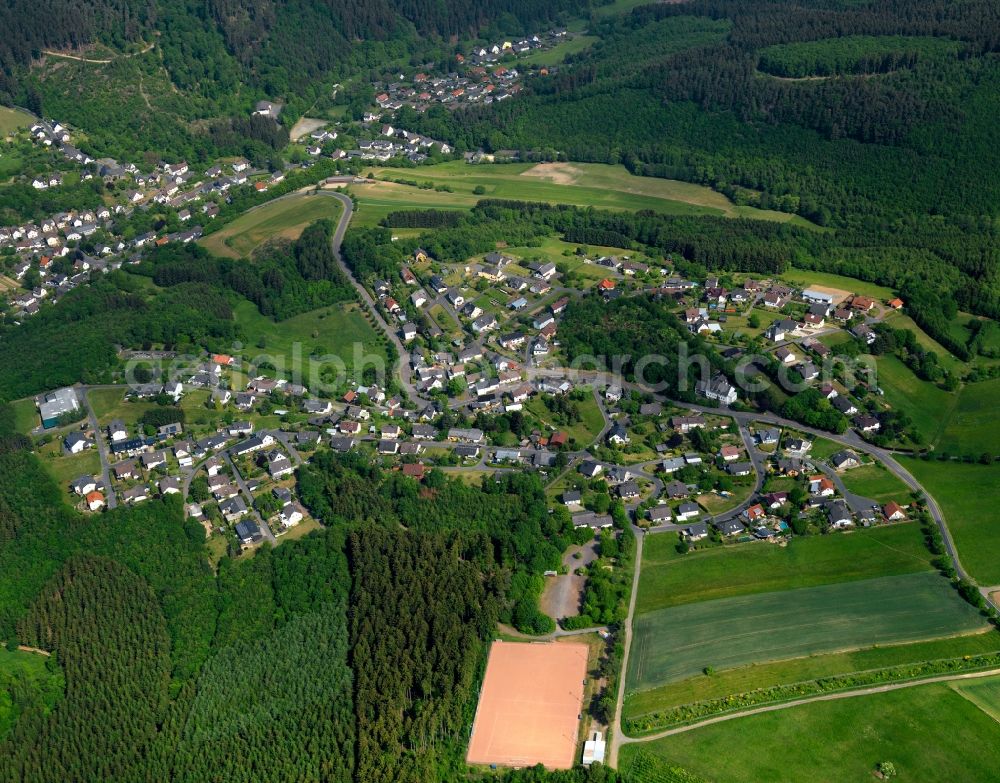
283, 279
501, 525
352, 654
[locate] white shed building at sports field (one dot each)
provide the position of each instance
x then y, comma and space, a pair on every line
593, 749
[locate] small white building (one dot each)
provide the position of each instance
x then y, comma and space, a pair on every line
593, 749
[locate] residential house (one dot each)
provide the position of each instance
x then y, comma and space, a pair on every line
696, 532
717, 388
893, 511
83, 485
618, 435
686, 511
844, 460
659, 514
76, 442
729, 527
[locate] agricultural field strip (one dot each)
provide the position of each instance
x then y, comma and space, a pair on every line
806, 669
679, 642
985, 694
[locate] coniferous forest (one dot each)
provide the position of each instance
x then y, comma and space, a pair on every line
352, 654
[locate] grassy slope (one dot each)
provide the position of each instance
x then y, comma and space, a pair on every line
676, 643
586, 184
337, 330
877, 483
12, 119
973, 426
929, 732
725, 572
807, 277
747, 678
285, 217
926, 404
969, 496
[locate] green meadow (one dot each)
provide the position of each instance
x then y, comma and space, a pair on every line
284, 217
969, 496
667, 580
929, 732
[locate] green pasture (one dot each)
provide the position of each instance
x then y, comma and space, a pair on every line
973, 426
877, 483
284, 217
929, 732
969, 496
584, 184
804, 278
667, 580
984, 693
928, 406
12, 120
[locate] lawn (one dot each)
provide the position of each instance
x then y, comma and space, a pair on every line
743, 679
677, 643
27, 671
112, 404
304, 528
724, 572
583, 432
929, 732
823, 448
969, 496
65, 467
105, 401
284, 217
25, 415
584, 184
973, 426
340, 330
877, 483
13, 119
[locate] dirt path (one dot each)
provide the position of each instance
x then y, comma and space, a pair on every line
96, 60
36, 650
623, 740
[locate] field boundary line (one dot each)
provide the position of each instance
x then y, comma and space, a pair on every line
835, 696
